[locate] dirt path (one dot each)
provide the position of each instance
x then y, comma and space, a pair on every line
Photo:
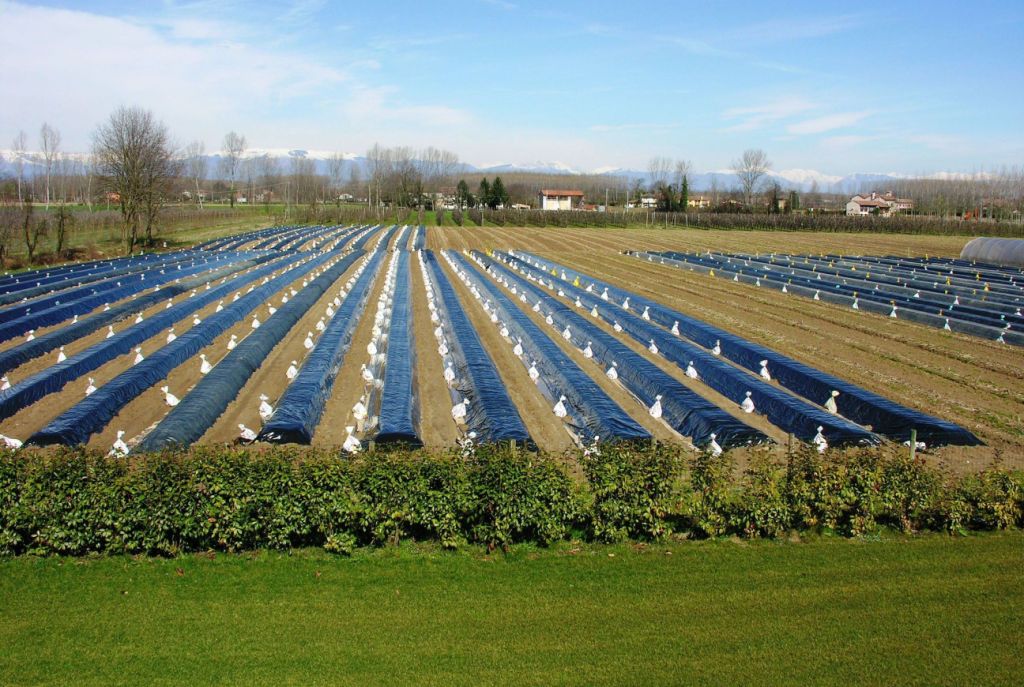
437, 428
349, 385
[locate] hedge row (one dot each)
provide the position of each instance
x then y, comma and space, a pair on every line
75, 502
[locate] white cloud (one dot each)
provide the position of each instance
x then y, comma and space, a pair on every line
754, 117
643, 126
820, 125
199, 79
102, 62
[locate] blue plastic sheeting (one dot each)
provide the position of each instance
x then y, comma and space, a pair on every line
896, 278
51, 341
302, 236
109, 284
865, 291
92, 414
54, 378
789, 413
59, 286
876, 306
268, 239
66, 309
491, 412
685, 411
72, 271
206, 402
859, 405
419, 238
592, 413
299, 410
239, 239
399, 405
26, 286
360, 244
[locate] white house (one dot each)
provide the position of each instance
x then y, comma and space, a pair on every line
645, 201
883, 204
560, 199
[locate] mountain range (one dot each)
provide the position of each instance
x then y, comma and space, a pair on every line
790, 179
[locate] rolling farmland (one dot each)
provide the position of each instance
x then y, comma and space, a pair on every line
343, 336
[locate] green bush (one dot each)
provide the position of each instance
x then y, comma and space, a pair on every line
76, 502
632, 487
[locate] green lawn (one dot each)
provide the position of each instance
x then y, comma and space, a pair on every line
928, 610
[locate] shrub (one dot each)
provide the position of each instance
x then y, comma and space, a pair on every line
76, 502
632, 486
520, 496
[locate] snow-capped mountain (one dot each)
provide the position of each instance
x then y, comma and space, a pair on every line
789, 179
534, 167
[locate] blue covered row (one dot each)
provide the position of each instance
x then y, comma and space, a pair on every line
72, 272
51, 341
949, 321
895, 280
299, 410
66, 309
788, 412
684, 410
200, 408
419, 238
594, 414
925, 303
491, 413
399, 403
92, 414
105, 283
269, 236
865, 408
54, 378
59, 288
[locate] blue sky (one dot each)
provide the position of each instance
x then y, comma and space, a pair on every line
907, 87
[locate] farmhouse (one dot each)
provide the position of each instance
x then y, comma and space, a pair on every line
560, 199
699, 202
645, 201
882, 204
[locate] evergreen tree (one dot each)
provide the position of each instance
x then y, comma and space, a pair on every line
483, 193
684, 194
499, 196
462, 194
794, 201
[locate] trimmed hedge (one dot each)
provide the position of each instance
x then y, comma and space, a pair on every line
75, 502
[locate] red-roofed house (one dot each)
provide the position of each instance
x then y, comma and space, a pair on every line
560, 199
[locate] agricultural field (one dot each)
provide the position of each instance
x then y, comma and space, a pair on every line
343, 336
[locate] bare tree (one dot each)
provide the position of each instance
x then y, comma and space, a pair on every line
266, 173
683, 168
658, 170
18, 148
377, 160
135, 165
195, 167
355, 181
10, 218
49, 140
63, 223
231, 152
749, 169
32, 229
335, 170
